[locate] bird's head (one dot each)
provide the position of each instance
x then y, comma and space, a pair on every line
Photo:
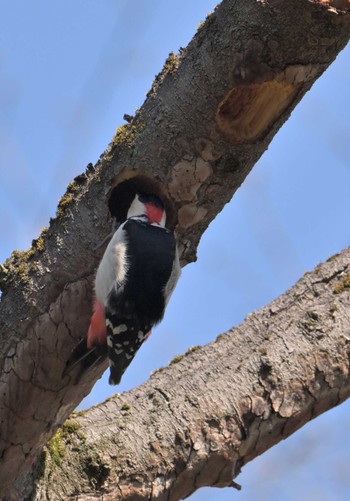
150, 206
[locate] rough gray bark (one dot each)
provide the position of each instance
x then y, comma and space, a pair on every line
210, 115
198, 421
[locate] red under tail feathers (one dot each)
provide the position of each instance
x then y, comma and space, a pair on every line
97, 334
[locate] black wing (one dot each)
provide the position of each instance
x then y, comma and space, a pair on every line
136, 306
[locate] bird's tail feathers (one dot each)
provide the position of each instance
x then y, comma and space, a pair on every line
84, 358
124, 338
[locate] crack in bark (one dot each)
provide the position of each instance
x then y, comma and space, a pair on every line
164, 395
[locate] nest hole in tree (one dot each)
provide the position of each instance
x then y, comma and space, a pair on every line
124, 187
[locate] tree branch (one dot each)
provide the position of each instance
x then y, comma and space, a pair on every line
198, 421
210, 115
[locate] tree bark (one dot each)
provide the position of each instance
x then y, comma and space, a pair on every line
198, 421
210, 115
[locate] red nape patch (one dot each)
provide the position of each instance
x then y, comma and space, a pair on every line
154, 213
97, 334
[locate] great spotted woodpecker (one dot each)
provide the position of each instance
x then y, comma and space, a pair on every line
134, 281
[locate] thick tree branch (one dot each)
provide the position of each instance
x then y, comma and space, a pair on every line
210, 115
197, 422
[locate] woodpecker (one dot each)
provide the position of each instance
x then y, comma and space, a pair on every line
134, 281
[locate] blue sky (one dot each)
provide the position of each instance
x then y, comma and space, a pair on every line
68, 73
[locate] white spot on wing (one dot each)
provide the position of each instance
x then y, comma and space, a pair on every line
119, 329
